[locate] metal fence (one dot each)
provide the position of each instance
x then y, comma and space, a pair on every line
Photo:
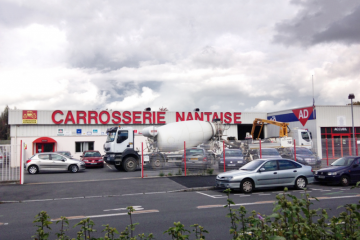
210, 159
11, 159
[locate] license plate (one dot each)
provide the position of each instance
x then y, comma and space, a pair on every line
231, 165
321, 176
193, 159
92, 163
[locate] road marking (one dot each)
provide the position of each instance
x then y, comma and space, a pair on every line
106, 215
38, 200
136, 208
130, 194
3, 224
212, 196
154, 192
109, 166
267, 202
326, 190
93, 196
264, 194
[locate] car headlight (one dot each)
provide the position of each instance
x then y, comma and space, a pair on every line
228, 178
332, 173
316, 172
221, 161
299, 158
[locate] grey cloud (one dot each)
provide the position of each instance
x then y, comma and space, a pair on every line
320, 22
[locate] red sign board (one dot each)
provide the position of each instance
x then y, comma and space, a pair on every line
29, 117
303, 114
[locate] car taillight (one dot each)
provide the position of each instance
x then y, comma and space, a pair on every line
204, 159
28, 161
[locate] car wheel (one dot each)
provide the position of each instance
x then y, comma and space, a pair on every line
300, 183
344, 181
33, 169
247, 186
129, 165
73, 168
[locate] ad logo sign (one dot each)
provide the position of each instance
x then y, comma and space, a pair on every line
29, 117
303, 114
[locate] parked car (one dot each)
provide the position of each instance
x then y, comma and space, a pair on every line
92, 158
343, 171
198, 158
53, 162
266, 173
303, 156
267, 153
234, 159
66, 153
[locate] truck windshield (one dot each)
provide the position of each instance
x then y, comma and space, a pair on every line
110, 136
305, 136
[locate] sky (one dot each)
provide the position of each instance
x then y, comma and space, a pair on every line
248, 55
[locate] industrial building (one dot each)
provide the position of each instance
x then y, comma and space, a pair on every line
80, 130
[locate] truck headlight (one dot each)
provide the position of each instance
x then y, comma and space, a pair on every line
112, 155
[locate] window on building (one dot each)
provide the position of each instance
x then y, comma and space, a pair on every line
83, 146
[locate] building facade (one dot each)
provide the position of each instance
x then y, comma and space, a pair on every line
80, 130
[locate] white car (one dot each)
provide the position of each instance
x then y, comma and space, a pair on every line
50, 161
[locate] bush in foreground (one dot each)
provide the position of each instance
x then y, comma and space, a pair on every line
292, 218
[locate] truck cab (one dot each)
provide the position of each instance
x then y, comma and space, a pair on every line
119, 149
302, 137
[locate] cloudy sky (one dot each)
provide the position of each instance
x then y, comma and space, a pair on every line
232, 55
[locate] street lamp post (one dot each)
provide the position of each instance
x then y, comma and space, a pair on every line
351, 97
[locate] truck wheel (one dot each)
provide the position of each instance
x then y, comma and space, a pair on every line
157, 162
129, 165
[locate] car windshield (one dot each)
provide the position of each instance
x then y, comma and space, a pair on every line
252, 165
110, 136
233, 153
345, 161
303, 151
269, 152
92, 154
194, 152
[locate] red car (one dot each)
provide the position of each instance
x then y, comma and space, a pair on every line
92, 158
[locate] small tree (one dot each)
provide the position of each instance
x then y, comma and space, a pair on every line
4, 126
163, 109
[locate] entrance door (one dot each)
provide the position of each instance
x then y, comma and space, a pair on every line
44, 147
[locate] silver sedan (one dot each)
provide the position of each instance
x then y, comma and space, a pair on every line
53, 162
267, 173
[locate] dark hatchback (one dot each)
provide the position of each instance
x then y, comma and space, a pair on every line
345, 170
234, 159
303, 156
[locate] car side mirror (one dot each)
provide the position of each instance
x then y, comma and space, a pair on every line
355, 165
102, 155
81, 156
262, 169
63, 159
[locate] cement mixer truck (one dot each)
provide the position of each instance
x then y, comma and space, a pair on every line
121, 151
